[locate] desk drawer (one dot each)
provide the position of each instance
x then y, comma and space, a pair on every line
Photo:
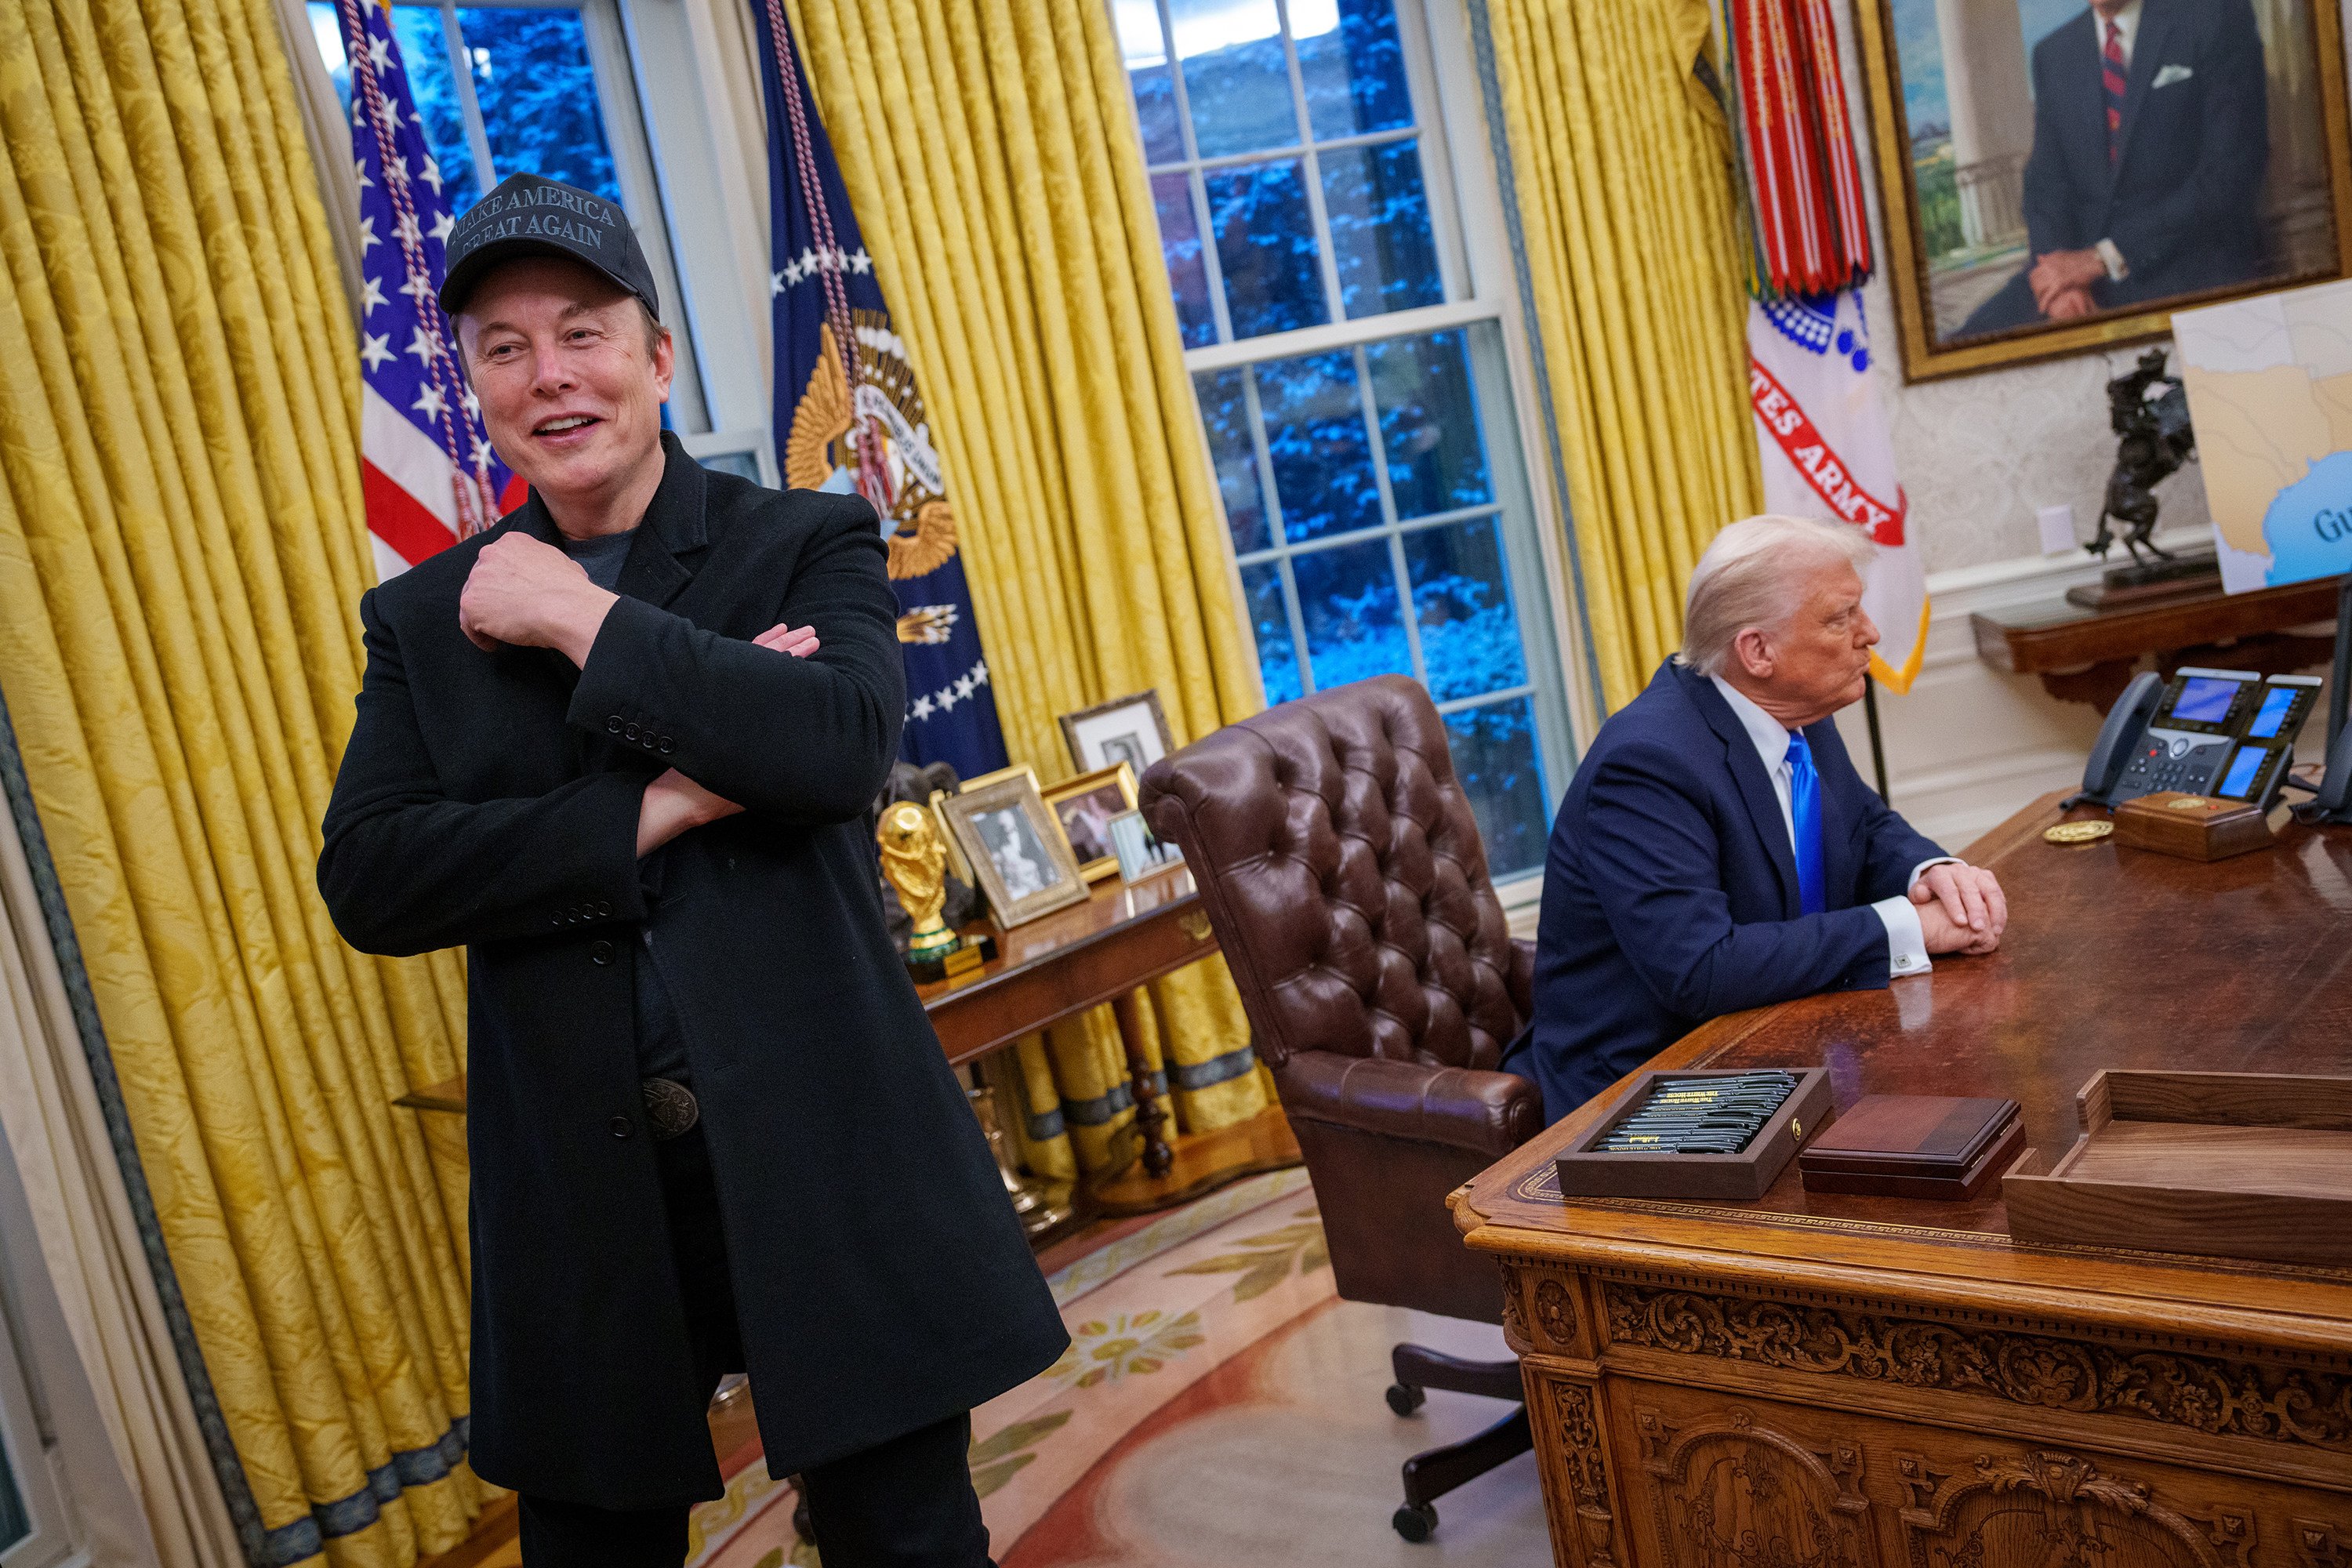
1708, 1478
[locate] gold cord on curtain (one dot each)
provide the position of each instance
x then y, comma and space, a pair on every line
180, 545
990, 150
1620, 164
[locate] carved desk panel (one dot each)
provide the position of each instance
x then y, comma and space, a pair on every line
1818, 1381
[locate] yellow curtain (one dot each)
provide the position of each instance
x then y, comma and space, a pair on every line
990, 150
181, 546
1622, 167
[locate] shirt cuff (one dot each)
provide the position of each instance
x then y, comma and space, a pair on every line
2112, 259
1906, 944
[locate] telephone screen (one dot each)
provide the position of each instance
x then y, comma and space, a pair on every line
2277, 703
2245, 769
2205, 701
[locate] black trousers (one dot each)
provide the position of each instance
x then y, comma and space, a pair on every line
906, 1503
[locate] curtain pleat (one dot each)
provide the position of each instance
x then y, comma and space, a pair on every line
181, 546
1629, 235
990, 150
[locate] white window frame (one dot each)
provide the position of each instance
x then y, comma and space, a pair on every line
1475, 262
29, 1441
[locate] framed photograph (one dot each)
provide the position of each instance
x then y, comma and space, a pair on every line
958, 867
1141, 851
1131, 729
2060, 176
1084, 806
1016, 848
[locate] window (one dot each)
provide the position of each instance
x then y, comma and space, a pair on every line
521, 86
1351, 377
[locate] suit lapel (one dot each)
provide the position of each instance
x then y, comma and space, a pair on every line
2148, 53
1747, 773
670, 541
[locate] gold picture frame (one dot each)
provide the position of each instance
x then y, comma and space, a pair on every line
1132, 728
1957, 230
1018, 854
1078, 804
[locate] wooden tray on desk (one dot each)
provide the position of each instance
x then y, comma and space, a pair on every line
2221, 1164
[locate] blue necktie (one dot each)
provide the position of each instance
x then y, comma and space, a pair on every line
1805, 817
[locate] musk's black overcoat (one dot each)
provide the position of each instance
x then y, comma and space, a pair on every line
490, 799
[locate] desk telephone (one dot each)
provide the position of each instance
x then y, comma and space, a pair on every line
2225, 733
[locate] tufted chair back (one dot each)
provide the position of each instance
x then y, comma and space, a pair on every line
1340, 865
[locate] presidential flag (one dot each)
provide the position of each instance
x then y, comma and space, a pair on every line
1820, 430
429, 475
850, 418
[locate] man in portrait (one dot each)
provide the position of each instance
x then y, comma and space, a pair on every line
2150, 140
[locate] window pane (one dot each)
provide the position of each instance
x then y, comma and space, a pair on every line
537, 95
1145, 52
1461, 597
1277, 657
1322, 455
1380, 230
1348, 597
327, 29
1353, 64
1265, 248
1180, 241
1494, 752
1235, 78
425, 54
15, 1524
1224, 414
1429, 423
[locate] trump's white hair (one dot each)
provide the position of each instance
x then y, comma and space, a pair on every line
1752, 575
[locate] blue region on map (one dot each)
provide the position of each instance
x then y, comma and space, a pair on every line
2309, 524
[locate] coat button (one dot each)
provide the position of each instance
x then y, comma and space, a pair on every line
620, 1126
667, 745
600, 953
604, 907
612, 724
628, 731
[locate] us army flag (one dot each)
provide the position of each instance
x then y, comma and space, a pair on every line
1821, 432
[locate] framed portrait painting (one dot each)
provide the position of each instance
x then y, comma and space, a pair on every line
1017, 852
2060, 176
1131, 729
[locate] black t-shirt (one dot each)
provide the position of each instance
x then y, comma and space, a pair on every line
661, 1048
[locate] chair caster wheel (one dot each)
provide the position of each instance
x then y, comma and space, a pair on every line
1415, 1524
1404, 1399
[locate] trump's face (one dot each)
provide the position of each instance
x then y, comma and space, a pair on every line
570, 389
1819, 660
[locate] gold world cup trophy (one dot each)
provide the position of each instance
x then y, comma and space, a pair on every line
915, 864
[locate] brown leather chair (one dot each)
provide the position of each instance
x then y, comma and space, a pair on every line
1342, 870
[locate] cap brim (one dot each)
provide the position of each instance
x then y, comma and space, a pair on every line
462, 278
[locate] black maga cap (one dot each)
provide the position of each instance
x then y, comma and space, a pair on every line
528, 215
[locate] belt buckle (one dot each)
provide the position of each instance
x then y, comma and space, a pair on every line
671, 1111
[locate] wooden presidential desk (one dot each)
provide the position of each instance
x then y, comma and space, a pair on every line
1829, 1382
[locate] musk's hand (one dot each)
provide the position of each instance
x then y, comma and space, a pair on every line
1965, 904
673, 803
528, 593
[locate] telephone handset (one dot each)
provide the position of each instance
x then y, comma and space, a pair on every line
2228, 733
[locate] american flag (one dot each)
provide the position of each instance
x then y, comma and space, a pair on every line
430, 476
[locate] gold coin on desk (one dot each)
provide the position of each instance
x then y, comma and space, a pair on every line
2077, 832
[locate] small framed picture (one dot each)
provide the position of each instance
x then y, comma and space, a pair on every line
958, 867
1139, 850
1016, 848
1131, 730
1084, 806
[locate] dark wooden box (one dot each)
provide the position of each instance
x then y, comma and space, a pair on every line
2192, 827
2223, 1164
1586, 1172
1934, 1146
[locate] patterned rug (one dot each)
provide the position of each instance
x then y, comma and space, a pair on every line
1151, 1314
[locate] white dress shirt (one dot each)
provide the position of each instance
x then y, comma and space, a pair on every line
2127, 26
1906, 944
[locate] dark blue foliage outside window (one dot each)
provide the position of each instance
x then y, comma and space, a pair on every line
1278, 655
537, 95
1224, 413
1462, 599
1265, 248
1379, 215
1322, 457
1494, 758
1429, 423
424, 54
1355, 628
1354, 74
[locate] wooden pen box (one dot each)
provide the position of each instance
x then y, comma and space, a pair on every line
2225, 1164
2191, 826
1934, 1146
1586, 1171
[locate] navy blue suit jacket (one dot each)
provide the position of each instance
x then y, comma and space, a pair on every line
2180, 204
1670, 894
